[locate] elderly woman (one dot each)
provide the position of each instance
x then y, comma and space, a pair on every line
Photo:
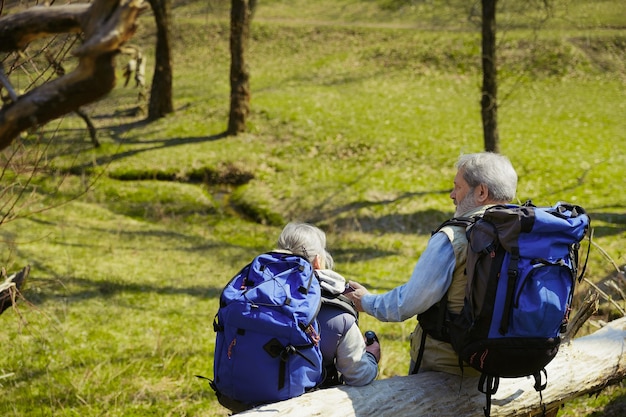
346, 357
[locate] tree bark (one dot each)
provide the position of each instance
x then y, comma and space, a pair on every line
106, 25
19, 29
161, 102
93, 78
489, 96
585, 365
239, 74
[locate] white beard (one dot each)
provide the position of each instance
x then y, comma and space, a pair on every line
467, 204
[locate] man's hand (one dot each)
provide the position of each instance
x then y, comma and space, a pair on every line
356, 295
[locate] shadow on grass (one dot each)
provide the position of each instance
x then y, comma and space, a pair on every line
76, 138
418, 222
155, 145
614, 223
421, 222
425, 221
78, 289
616, 408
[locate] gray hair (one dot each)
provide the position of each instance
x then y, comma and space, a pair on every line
330, 262
493, 170
303, 239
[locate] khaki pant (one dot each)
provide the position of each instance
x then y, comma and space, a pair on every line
438, 356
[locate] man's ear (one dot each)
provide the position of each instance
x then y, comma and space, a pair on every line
482, 193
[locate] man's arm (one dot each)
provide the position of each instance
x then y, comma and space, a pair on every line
429, 282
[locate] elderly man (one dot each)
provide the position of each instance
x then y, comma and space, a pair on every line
482, 180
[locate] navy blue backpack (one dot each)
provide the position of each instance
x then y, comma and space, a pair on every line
522, 268
266, 346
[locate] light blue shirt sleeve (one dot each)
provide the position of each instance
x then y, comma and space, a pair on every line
429, 282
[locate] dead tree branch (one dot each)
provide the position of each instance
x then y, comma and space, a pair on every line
106, 25
586, 310
11, 286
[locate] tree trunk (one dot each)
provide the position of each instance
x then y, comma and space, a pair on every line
585, 365
239, 75
161, 102
489, 96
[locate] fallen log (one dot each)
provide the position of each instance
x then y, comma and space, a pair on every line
584, 365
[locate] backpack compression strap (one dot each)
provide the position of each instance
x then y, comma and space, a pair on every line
340, 301
275, 349
539, 386
435, 315
512, 274
488, 385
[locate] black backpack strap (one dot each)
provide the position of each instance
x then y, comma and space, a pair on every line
217, 327
284, 357
433, 320
584, 268
276, 350
340, 301
488, 385
331, 377
456, 221
420, 354
540, 386
512, 274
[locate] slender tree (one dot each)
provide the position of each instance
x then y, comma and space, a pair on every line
241, 14
489, 97
161, 102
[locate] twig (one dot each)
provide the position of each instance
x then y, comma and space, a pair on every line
606, 255
6, 84
586, 310
611, 283
606, 297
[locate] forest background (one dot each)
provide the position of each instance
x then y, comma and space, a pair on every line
359, 110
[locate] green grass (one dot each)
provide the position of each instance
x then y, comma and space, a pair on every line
359, 110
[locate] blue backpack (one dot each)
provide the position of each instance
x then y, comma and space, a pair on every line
266, 346
522, 267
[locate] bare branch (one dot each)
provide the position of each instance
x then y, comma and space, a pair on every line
586, 310
19, 29
6, 84
607, 297
106, 24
